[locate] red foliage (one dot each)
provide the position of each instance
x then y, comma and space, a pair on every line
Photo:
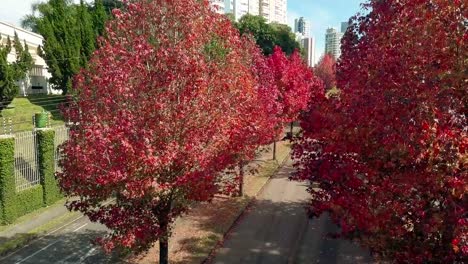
162, 109
389, 159
326, 71
295, 81
262, 119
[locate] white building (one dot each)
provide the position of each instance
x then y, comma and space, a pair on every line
274, 11
219, 6
309, 47
37, 79
333, 42
302, 26
271, 10
244, 7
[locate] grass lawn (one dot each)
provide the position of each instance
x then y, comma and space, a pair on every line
22, 110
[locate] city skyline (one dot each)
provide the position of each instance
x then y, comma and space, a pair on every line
322, 14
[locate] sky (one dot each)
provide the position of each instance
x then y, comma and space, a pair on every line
321, 13
12, 11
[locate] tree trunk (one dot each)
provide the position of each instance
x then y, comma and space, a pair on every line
274, 150
163, 251
292, 125
163, 217
241, 179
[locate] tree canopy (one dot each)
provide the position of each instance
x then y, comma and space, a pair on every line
11, 73
326, 71
388, 160
159, 119
70, 34
267, 36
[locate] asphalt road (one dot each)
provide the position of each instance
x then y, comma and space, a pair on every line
67, 244
276, 231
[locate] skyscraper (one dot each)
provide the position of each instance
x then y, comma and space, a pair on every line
274, 10
301, 25
333, 42
344, 27
309, 47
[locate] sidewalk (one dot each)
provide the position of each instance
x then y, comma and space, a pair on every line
276, 230
197, 233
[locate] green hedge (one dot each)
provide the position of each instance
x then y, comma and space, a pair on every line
7, 180
26, 201
46, 151
15, 204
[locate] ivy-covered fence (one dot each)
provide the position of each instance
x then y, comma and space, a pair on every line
15, 201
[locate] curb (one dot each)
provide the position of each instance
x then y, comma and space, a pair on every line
239, 217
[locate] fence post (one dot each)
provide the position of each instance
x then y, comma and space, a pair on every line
7, 179
46, 153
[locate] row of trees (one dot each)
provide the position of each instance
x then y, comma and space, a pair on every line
70, 34
11, 73
388, 158
71, 30
163, 108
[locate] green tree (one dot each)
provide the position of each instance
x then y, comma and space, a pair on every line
99, 17
285, 38
8, 87
10, 73
70, 31
24, 61
87, 32
267, 36
62, 45
262, 32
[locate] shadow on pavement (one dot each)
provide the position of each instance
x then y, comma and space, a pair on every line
73, 247
318, 247
269, 233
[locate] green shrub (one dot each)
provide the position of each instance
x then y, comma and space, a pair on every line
14, 204
46, 151
7, 180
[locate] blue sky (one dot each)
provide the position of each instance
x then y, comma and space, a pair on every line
322, 14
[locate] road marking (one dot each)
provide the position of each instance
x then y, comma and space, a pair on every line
61, 227
73, 255
80, 228
42, 237
47, 234
37, 252
87, 255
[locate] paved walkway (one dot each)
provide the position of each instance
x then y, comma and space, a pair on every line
277, 231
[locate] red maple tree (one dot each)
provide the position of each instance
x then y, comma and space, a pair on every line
160, 112
388, 159
326, 71
296, 83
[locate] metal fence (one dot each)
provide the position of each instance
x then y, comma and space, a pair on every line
6, 126
26, 157
61, 135
26, 161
